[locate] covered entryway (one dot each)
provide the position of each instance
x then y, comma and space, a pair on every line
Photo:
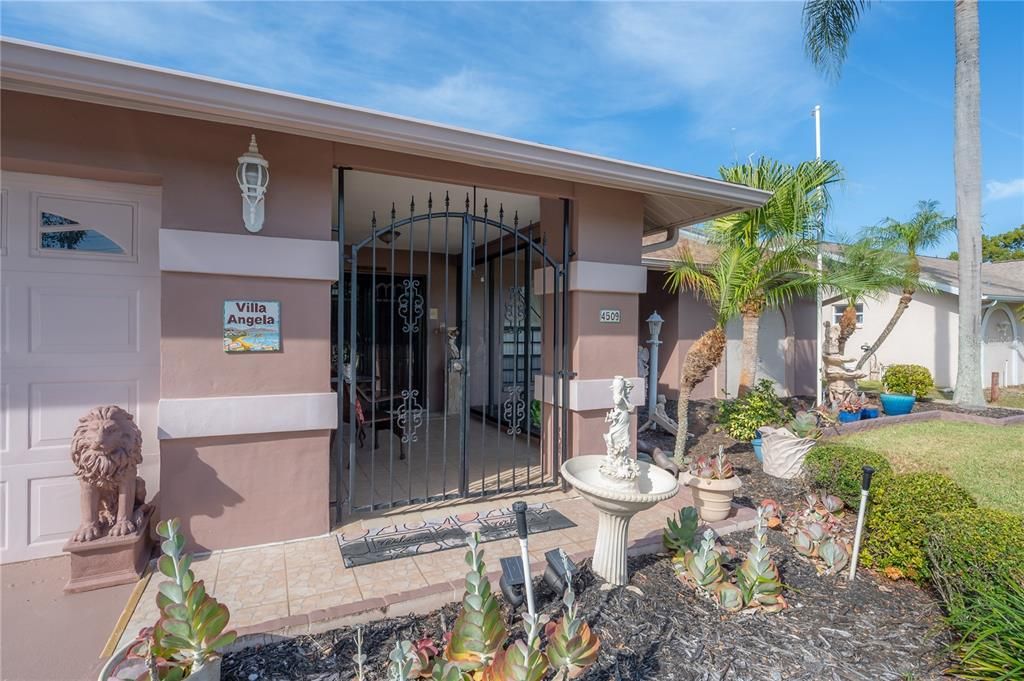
445, 329
81, 328
1001, 347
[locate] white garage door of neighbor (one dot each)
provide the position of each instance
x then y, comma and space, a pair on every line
80, 315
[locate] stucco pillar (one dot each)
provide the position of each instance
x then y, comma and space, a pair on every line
606, 278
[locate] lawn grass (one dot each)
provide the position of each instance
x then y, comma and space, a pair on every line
1008, 397
988, 461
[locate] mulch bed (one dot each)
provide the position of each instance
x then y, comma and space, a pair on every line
833, 629
870, 629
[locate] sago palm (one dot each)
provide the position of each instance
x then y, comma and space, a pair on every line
828, 27
925, 229
737, 275
784, 232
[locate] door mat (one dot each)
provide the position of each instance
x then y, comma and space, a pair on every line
420, 538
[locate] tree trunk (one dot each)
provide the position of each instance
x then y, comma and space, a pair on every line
901, 307
967, 173
701, 359
847, 325
748, 352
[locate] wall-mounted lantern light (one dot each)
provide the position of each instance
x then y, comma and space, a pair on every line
253, 176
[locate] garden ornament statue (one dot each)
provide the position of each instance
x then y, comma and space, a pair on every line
456, 367
111, 544
618, 486
840, 378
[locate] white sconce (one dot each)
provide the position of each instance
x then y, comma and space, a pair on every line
253, 175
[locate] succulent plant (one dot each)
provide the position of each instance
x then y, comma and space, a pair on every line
728, 596
479, 631
680, 537
805, 425
717, 467
572, 647
773, 512
835, 554
521, 660
704, 566
360, 657
401, 663
190, 631
449, 671
758, 578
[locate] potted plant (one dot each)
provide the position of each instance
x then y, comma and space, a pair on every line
904, 384
849, 408
869, 410
713, 483
186, 641
785, 448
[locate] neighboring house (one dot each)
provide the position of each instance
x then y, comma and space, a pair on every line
927, 333
478, 334
786, 341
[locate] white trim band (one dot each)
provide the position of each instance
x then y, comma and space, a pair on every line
600, 277
588, 394
246, 415
246, 255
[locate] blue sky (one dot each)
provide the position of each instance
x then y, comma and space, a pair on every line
688, 86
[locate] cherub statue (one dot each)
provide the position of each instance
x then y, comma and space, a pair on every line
618, 463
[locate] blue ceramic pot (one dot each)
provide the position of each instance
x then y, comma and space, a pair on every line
849, 416
869, 413
757, 449
897, 405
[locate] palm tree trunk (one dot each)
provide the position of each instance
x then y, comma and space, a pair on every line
901, 307
967, 173
748, 352
847, 325
701, 359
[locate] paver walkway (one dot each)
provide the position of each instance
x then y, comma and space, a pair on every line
303, 586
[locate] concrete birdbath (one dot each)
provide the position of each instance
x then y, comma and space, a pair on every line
618, 486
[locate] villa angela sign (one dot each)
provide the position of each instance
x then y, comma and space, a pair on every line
252, 326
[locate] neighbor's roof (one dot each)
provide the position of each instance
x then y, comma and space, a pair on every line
671, 198
999, 280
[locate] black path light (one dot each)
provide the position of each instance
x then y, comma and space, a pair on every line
560, 570
865, 483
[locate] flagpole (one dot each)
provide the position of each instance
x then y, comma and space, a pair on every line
818, 398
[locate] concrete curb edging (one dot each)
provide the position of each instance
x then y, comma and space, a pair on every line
432, 597
920, 416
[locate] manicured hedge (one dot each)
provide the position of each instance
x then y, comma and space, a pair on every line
899, 517
975, 546
838, 468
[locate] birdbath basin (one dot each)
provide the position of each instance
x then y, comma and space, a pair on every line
616, 505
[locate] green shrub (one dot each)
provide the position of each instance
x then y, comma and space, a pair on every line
908, 379
759, 407
973, 547
838, 468
991, 624
897, 525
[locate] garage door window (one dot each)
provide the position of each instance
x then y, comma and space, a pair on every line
58, 232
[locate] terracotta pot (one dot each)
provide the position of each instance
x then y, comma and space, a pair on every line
110, 670
712, 498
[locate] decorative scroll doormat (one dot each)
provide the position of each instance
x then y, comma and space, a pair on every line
420, 538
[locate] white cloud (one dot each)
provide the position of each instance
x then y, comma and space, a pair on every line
996, 190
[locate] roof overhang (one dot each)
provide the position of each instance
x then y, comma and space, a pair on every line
671, 198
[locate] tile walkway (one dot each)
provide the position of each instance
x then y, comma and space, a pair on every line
304, 587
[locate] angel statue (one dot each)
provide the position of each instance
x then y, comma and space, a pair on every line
618, 464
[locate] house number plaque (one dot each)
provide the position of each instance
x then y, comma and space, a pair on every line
611, 316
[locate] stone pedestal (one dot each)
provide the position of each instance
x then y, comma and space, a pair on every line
109, 561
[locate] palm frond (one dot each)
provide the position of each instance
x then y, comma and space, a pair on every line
828, 27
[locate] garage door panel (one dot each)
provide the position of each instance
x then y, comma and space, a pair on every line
81, 328
84, 320
53, 508
54, 408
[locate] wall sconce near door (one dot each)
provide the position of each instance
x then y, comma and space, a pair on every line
253, 175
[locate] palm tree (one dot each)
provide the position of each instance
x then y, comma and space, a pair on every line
925, 229
828, 27
784, 234
860, 270
725, 285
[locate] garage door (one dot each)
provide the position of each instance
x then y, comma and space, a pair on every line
80, 311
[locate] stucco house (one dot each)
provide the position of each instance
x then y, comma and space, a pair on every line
484, 291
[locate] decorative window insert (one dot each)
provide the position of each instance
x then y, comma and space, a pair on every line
838, 310
57, 232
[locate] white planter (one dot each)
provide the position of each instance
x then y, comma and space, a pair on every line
211, 672
712, 498
783, 452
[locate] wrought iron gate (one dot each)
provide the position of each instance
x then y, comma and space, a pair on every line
445, 338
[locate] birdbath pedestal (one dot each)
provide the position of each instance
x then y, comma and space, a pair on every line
616, 502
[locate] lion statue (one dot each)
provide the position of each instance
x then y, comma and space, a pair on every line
106, 450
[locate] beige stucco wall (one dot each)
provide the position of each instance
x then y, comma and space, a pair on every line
926, 333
